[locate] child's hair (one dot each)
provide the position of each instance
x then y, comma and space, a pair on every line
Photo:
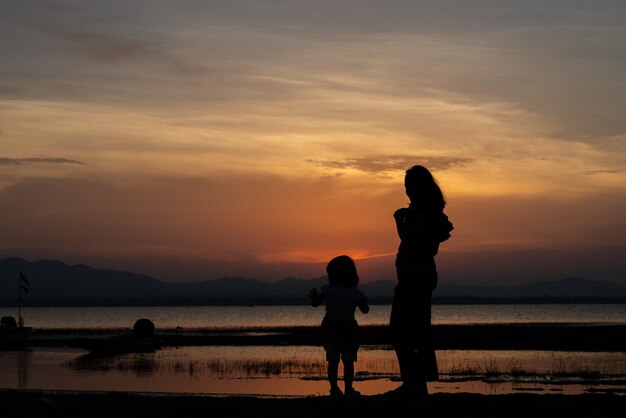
421, 187
342, 271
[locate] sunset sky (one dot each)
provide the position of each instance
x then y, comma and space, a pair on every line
193, 140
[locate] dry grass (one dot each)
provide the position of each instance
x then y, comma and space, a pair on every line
560, 368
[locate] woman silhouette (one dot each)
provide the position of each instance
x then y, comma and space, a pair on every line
422, 227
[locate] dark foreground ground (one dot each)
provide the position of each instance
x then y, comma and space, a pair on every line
27, 404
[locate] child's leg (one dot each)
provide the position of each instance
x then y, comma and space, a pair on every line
348, 374
333, 367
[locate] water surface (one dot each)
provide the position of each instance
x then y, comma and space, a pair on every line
301, 371
273, 316
298, 370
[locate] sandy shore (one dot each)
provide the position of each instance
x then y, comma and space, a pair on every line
27, 404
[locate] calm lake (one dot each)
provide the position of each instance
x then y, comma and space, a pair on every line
300, 371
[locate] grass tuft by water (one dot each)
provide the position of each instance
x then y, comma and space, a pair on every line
557, 368
561, 368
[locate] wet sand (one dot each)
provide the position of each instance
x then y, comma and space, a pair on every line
25, 404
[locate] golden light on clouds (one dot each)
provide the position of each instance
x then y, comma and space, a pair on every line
271, 134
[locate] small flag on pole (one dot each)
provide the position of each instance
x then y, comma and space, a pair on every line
24, 283
24, 279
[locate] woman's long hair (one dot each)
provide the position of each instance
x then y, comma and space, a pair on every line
422, 188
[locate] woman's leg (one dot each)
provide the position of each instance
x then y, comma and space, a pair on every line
411, 329
403, 334
426, 359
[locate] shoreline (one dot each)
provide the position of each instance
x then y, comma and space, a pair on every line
36, 403
533, 336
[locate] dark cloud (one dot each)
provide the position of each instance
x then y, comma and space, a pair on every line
381, 164
114, 49
37, 160
592, 172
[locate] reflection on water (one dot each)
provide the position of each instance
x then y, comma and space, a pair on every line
147, 364
141, 364
22, 360
301, 371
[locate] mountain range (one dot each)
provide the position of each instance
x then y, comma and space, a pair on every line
52, 280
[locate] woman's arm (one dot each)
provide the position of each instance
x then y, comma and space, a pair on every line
401, 217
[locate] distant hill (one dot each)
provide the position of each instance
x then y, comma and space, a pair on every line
52, 279
54, 282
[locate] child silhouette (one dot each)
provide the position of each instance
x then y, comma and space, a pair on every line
339, 328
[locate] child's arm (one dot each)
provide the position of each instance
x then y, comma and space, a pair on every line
316, 298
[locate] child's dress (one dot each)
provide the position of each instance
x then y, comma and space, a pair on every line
340, 331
